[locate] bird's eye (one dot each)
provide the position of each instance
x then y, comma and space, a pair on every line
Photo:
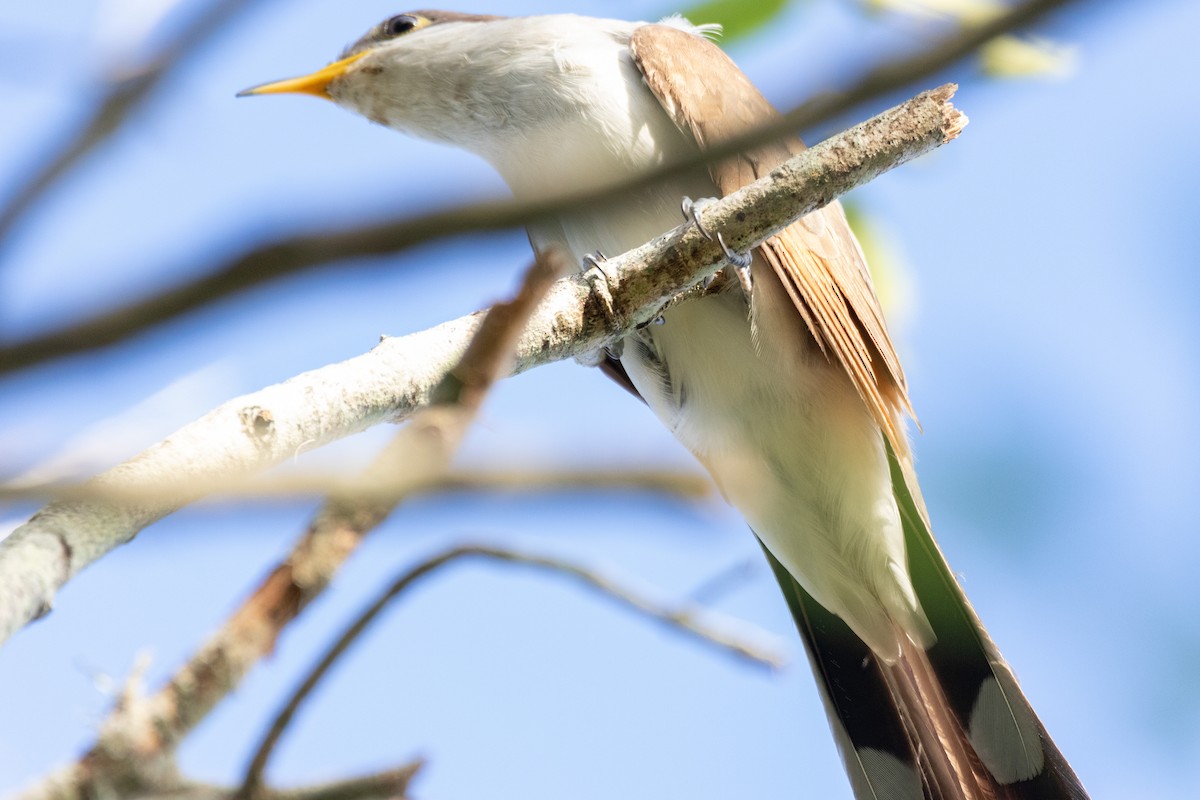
400, 24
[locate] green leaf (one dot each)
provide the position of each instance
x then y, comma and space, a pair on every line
1002, 57
1030, 57
738, 18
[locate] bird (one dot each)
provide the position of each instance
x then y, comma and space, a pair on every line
780, 376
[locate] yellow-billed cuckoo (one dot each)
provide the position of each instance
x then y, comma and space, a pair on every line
784, 385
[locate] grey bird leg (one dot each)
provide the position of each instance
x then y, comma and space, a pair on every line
597, 278
594, 260
739, 261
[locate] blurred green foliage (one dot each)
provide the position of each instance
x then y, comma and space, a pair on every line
737, 18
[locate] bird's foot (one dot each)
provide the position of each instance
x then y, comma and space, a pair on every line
691, 212
592, 261
597, 278
739, 261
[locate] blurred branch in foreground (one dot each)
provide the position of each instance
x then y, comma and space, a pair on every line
297, 254
681, 483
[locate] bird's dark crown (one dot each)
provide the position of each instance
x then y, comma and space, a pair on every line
409, 22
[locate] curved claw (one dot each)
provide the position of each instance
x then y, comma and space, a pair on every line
593, 260
739, 260
601, 293
740, 263
691, 211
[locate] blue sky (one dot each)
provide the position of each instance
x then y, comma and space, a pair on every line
1050, 337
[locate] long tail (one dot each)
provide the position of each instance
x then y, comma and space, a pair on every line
949, 723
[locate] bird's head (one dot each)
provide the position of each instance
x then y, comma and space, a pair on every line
552, 98
396, 74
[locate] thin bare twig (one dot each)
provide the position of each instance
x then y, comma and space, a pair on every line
687, 619
390, 785
581, 314
123, 97
297, 254
723, 583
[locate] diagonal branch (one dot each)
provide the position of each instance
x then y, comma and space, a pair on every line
305, 252
581, 314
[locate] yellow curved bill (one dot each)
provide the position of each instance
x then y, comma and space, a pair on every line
316, 83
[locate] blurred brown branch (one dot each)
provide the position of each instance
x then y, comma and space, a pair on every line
303, 252
125, 94
683, 483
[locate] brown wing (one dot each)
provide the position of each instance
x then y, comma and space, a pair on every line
817, 259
